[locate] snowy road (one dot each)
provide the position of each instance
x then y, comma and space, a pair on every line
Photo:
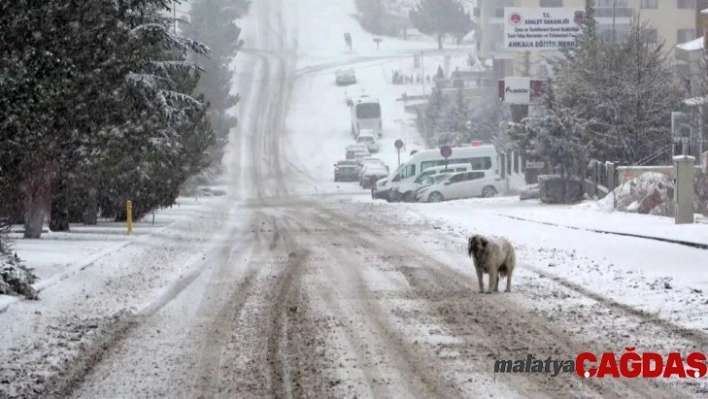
304, 294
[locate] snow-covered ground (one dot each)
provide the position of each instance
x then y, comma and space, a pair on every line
382, 293
59, 256
660, 278
625, 268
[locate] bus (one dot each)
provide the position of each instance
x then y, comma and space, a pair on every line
366, 114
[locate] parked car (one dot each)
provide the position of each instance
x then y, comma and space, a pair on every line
360, 155
345, 77
371, 160
482, 183
406, 191
372, 170
430, 180
368, 163
346, 171
357, 146
368, 138
353, 149
382, 190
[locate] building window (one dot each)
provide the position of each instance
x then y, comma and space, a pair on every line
650, 35
621, 32
611, 4
685, 35
551, 3
649, 4
686, 3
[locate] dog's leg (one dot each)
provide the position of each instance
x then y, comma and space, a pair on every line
508, 282
496, 285
480, 279
493, 279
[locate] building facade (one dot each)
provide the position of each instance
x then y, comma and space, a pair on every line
672, 21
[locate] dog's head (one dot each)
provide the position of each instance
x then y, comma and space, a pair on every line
476, 245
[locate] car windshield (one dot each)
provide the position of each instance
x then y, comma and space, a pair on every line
440, 177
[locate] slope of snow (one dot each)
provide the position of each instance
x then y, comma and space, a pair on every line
317, 47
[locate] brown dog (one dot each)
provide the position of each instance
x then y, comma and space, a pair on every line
495, 256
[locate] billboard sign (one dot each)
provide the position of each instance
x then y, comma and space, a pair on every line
538, 89
541, 29
517, 90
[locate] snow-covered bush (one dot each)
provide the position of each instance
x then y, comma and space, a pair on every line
555, 189
649, 193
702, 193
15, 278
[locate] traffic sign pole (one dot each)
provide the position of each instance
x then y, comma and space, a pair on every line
446, 151
399, 145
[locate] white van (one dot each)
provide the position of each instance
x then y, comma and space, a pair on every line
482, 157
366, 114
405, 191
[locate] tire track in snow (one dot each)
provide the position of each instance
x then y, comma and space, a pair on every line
438, 283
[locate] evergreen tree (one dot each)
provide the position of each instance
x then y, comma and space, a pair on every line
441, 17
433, 121
458, 118
95, 99
623, 93
212, 23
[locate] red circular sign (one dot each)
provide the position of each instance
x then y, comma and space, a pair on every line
445, 151
515, 18
398, 144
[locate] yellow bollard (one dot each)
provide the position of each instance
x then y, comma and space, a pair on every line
129, 216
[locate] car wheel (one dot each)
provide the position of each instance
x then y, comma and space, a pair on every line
408, 197
489, 192
395, 196
435, 197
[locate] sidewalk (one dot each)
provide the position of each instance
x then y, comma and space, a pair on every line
94, 280
57, 256
588, 215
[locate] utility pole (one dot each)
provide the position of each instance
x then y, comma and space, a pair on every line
174, 16
422, 66
614, 19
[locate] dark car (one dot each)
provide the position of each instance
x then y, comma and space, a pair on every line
346, 171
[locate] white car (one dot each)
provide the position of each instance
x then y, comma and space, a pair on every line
377, 170
479, 183
428, 181
354, 148
345, 77
382, 189
370, 139
360, 155
370, 162
406, 191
